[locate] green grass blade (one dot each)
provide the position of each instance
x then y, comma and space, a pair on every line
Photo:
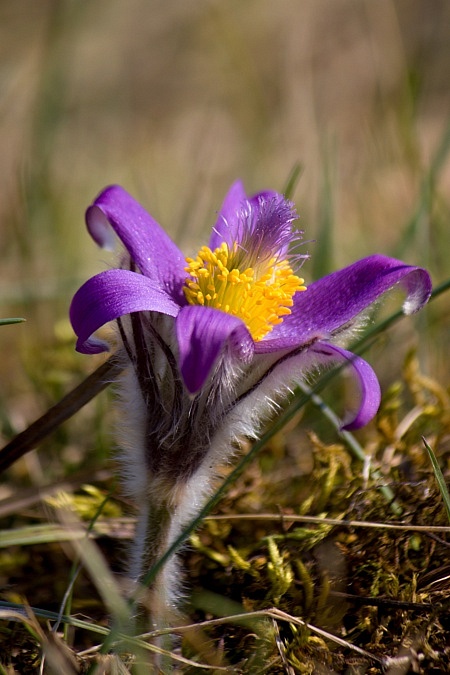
75, 571
47, 533
292, 180
414, 227
439, 477
356, 449
60, 412
7, 322
322, 260
53, 616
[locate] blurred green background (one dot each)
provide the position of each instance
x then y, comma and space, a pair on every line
175, 100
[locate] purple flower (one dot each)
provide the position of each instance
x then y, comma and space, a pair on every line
212, 344
253, 317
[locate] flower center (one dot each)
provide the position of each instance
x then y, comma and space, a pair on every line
261, 295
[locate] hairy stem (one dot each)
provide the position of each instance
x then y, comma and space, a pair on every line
150, 543
156, 605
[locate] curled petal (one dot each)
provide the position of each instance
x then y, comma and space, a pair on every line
203, 334
152, 250
367, 381
331, 304
292, 367
109, 295
273, 377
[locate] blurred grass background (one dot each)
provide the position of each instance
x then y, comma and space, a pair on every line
175, 100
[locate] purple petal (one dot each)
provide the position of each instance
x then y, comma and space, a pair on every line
240, 214
223, 230
264, 227
109, 295
153, 251
368, 385
203, 334
331, 304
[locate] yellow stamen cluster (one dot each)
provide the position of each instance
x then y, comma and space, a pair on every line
260, 296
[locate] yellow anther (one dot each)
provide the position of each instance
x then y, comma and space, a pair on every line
260, 295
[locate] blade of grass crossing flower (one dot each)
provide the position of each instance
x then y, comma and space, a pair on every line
439, 477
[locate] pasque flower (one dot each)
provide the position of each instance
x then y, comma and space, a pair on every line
213, 343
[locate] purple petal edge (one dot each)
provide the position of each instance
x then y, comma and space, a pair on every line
149, 246
368, 385
109, 295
